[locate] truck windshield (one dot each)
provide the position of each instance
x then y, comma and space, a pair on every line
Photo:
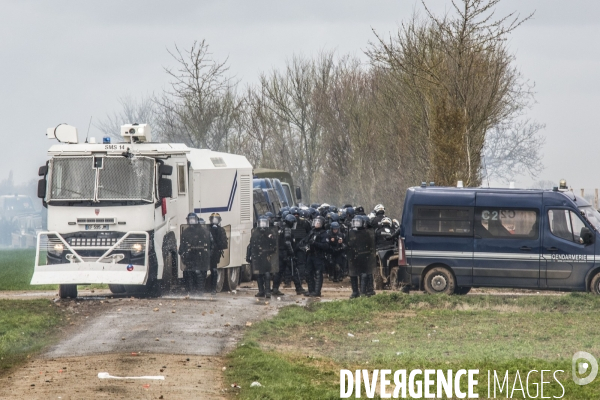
114, 178
592, 216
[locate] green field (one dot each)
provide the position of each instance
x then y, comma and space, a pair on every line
16, 270
25, 327
307, 346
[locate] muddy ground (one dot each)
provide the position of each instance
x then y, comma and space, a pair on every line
182, 338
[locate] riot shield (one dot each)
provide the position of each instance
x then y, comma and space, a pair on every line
195, 247
264, 248
361, 252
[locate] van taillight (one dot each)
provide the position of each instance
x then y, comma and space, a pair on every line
164, 206
401, 252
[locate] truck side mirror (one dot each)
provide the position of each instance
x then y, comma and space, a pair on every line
165, 188
586, 235
165, 170
43, 170
41, 192
298, 193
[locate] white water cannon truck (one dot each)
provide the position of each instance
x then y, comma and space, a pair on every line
115, 210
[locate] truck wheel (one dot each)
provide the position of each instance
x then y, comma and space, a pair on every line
462, 290
377, 278
595, 284
169, 270
66, 291
221, 278
439, 280
246, 273
116, 289
233, 278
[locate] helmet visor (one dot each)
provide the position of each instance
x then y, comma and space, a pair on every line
263, 223
318, 223
357, 223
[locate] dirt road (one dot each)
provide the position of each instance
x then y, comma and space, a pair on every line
182, 339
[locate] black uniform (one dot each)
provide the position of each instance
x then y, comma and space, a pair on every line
376, 221
287, 261
264, 257
220, 238
337, 254
299, 231
315, 262
361, 258
195, 251
382, 235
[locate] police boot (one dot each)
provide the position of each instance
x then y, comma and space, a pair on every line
363, 284
318, 285
310, 282
354, 283
261, 286
214, 274
370, 287
298, 284
268, 285
276, 283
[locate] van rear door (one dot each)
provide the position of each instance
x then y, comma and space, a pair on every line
507, 240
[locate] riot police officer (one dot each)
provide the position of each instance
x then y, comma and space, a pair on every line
337, 248
383, 234
315, 263
195, 251
286, 257
379, 211
361, 256
220, 245
300, 230
263, 254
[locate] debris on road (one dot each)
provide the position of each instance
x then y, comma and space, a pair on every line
106, 375
255, 384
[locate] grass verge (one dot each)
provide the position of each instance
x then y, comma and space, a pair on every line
26, 326
309, 345
16, 270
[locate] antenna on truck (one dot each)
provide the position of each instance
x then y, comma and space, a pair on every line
88, 131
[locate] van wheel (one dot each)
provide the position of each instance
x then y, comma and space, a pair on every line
595, 284
116, 289
462, 290
439, 280
66, 291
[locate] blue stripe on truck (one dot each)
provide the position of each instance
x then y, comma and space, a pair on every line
229, 204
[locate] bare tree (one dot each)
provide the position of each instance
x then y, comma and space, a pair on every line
132, 111
201, 106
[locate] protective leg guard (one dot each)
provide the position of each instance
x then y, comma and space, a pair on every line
298, 283
363, 284
276, 283
261, 286
354, 283
370, 287
268, 285
318, 284
201, 277
214, 274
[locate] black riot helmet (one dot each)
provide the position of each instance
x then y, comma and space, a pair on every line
334, 217
315, 205
366, 220
192, 219
335, 227
343, 215
318, 222
215, 219
350, 212
289, 220
357, 222
284, 214
201, 221
359, 210
295, 211
263, 222
271, 217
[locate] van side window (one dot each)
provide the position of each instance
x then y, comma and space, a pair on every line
565, 224
443, 221
506, 223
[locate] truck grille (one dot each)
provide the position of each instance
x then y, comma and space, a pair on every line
96, 220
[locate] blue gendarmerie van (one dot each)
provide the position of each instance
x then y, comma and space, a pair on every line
459, 238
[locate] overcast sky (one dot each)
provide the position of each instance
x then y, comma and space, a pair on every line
64, 61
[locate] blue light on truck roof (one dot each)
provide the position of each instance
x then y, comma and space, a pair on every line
106, 140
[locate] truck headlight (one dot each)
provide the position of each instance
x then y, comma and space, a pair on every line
137, 249
57, 249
